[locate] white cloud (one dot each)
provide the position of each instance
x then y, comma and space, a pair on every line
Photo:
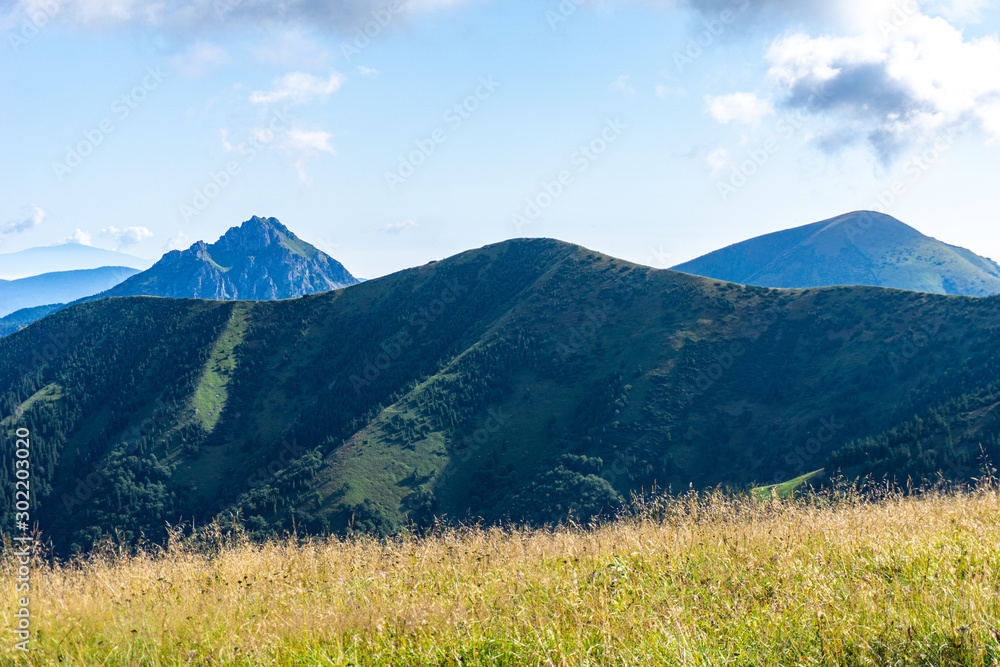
837, 17
79, 236
129, 236
301, 140
663, 90
303, 146
180, 242
192, 17
883, 74
200, 58
622, 85
717, 161
672, 87
299, 88
892, 86
399, 227
294, 46
368, 71
429, 5
960, 11
745, 108
31, 217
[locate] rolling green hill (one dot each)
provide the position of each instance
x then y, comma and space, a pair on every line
861, 248
530, 380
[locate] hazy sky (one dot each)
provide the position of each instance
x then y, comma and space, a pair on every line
390, 134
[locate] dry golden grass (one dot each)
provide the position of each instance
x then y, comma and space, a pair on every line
686, 581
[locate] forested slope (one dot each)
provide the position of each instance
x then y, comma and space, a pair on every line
525, 380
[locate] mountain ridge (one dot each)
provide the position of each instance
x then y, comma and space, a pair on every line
241, 265
58, 287
282, 266
859, 248
64, 257
518, 381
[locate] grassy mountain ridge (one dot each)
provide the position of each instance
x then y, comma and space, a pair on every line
528, 379
860, 248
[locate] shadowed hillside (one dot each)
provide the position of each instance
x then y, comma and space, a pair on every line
529, 379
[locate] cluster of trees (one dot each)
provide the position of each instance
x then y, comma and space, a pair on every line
99, 385
393, 336
652, 389
955, 440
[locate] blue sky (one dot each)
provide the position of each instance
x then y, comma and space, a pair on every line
654, 131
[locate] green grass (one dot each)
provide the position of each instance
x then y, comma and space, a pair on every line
50, 393
693, 580
785, 489
212, 392
298, 247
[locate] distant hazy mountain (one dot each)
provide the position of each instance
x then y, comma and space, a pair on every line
861, 248
65, 257
59, 287
260, 260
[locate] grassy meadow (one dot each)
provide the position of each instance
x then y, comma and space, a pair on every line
695, 580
